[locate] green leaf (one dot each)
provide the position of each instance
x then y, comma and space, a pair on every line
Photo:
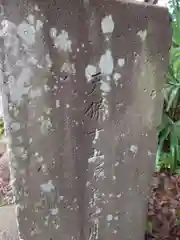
176, 25
177, 170
172, 98
178, 212
149, 227
177, 128
174, 148
178, 222
163, 137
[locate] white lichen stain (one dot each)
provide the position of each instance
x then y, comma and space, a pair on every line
57, 226
98, 210
48, 60
119, 195
62, 42
54, 211
101, 174
31, 60
46, 220
114, 178
116, 77
121, 62
53, 32
60, 198
35, 93
105, 112
24, 155
88, 184
46, 125
35, 230
89, 71
116, 164
36, 154
31, 19
68, 68
44, 169
55, 87
109, 217
107, 24
142, 35
108, 78
40, 159
110, 195
20, 87
105, 87
39, 25
36, 8
57, 103
20, 63
11, 41
106, 63
150, 153
20, 139
107, 38
15, 126
48, 111
47, 187
134, 149
27, 33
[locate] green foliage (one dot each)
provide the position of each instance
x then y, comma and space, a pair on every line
169, 133
149, 227
1, 127
178, 217
168, 152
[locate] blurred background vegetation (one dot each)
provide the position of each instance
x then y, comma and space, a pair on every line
168, 152
1, 127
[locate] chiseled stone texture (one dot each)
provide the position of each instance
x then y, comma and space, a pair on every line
82, 89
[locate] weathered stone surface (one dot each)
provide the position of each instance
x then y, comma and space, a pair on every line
82, 83
4, 168
4, 177
8, 224
6, 193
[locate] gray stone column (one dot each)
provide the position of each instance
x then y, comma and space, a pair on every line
82, 94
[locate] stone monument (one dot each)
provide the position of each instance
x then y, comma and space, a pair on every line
82, 96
